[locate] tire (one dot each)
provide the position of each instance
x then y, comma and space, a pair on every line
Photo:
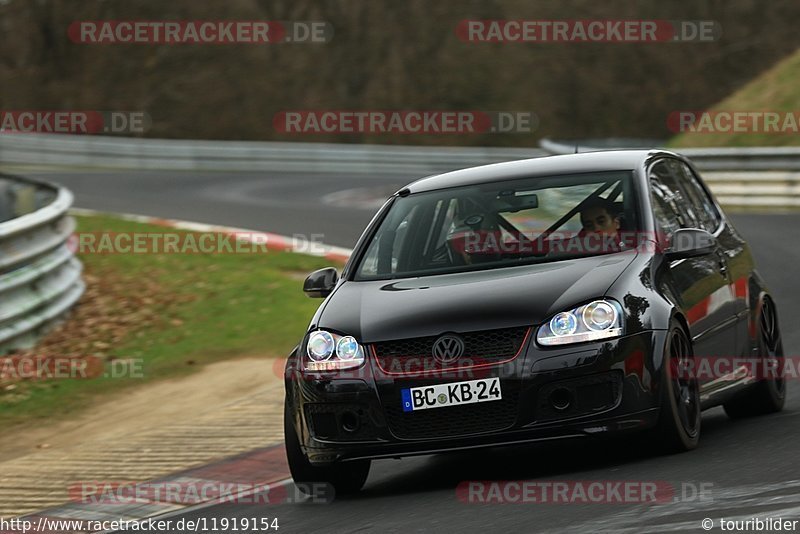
346, 478
768, 395
678, 426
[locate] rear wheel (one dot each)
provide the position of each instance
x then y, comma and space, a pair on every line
768, 395
346, 477
678, 427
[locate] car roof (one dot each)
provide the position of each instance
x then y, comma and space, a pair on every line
606, 160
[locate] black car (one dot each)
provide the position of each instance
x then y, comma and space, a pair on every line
558, 297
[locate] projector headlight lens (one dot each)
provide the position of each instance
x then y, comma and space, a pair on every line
563, 324
599, 315
347, 348
320, 346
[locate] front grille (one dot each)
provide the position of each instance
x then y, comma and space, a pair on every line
451, 420
482, 347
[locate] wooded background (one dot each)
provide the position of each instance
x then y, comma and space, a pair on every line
388, 55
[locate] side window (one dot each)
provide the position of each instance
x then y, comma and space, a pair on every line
667, 198
704, 208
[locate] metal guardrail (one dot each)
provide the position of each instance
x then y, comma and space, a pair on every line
189, 155
40, 278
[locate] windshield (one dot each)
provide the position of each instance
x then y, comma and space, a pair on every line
500, 224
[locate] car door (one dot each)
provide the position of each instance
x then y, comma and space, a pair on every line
700, 284
733, 248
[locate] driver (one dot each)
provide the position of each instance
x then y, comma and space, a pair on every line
599, 216
600, 231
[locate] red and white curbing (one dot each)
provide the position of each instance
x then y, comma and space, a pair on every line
272, 241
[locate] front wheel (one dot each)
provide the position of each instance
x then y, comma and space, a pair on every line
769, 394
678, 427
346, 477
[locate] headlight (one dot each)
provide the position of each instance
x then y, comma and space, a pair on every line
601, 319
320, 346
332, 352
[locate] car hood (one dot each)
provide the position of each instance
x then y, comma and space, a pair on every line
375, 311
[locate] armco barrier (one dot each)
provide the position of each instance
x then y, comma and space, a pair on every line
185, 155
40, 278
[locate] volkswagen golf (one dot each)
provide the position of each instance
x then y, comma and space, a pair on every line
558, 297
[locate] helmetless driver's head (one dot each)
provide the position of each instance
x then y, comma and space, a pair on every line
599, 216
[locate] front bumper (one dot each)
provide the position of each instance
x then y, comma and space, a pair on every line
612, 386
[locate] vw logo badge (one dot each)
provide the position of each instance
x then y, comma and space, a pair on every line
448, 348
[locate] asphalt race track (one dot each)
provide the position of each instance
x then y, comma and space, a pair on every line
287, 204
746, 467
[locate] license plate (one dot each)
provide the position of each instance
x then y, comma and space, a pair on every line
454, 394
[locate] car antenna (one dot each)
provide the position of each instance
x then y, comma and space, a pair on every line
576, 147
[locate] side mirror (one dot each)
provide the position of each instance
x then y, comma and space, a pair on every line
689, 243
320, 284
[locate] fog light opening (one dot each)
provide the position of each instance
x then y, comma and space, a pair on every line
350, 422
561, 399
